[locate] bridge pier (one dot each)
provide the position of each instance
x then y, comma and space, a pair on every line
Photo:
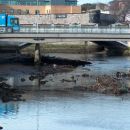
128, 43
86, 47
37, 54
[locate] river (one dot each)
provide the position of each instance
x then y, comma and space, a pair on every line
66, 110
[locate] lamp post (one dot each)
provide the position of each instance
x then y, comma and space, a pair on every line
37, 14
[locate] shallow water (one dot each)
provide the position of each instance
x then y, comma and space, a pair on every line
68, 110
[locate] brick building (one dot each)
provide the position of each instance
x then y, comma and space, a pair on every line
39, 7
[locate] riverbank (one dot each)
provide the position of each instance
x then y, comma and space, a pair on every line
64, 47
75, 48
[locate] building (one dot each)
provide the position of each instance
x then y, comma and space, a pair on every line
39, 6
127, 17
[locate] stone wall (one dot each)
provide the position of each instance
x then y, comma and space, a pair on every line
51, 19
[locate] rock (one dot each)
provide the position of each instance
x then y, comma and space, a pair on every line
43, 82
121, 75
72, 77
22, 80
54, 65
68, 80
32, 77
85, 75
118, 74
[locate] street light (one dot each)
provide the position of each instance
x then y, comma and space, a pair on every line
37, 14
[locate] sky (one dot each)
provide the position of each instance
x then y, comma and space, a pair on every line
92, 1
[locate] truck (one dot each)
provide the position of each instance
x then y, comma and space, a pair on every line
9, 23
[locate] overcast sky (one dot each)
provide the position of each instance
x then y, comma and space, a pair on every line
92, 1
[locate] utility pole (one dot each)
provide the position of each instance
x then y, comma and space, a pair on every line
37, 14
37, 54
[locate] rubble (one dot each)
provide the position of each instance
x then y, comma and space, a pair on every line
109, 85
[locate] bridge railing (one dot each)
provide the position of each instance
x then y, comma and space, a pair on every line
75, 30
90, 30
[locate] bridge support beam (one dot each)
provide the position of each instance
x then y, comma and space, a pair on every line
128, 43
86, 47
37, 54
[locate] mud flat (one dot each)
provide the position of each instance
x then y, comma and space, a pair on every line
29, 59
7, 93
61, 74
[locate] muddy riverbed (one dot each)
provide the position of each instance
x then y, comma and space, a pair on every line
105, 75
70, 104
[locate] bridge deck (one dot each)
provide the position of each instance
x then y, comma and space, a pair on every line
82, 36
78, 33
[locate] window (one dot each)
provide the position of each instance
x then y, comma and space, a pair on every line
3, 11
27, 11
11, 11
71, 2
19, 11
61, 15
37, 12
14, 21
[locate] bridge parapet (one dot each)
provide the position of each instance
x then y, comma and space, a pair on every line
94, 30
128, 43
62, 29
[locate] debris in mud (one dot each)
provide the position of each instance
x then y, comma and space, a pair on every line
68, 80
23, 80
85, 75
43, 82
32, 77
109, 85
48, 69
120, 75
7, 93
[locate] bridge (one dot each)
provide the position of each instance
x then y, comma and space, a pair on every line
62, 33
112, 37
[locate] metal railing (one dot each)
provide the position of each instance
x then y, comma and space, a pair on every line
89, 30
96, 30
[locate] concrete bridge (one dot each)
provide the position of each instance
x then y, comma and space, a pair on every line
90, 33
41, 35
116, 38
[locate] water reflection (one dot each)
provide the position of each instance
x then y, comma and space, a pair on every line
69, 110
10, 108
